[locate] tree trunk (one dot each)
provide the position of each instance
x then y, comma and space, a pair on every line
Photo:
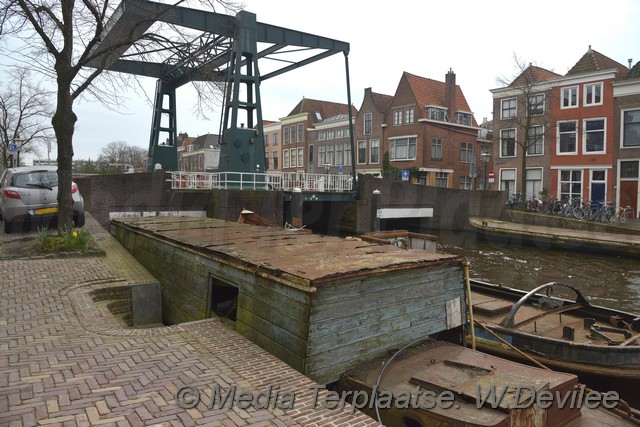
63, 122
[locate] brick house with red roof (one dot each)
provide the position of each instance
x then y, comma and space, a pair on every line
430, 130
582, 160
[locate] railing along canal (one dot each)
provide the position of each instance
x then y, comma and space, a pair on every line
285, 181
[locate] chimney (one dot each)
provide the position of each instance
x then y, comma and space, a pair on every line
450, 94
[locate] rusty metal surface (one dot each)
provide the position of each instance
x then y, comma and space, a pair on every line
313, 258
439, 366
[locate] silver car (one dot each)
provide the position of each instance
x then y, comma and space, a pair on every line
31, 193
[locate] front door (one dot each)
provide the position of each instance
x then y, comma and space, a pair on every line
629, 195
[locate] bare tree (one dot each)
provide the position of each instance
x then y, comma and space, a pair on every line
59, 38
121, 152
525, 109
25, 116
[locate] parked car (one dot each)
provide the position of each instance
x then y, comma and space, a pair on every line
31, 193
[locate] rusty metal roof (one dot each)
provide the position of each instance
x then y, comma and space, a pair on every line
300, 257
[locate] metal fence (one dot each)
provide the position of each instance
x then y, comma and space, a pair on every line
284, 181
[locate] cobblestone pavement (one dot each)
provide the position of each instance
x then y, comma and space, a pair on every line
66, 361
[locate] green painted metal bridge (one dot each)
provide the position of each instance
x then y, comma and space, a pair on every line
218, 49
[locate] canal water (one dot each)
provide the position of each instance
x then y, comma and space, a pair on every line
605, 280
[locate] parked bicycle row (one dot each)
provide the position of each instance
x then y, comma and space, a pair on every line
581, 209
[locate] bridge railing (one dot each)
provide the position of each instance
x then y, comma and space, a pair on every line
285, 181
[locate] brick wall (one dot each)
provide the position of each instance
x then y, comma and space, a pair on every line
451, 207
136, 192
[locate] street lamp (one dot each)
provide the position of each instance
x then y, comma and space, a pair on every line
327, 166
485, 155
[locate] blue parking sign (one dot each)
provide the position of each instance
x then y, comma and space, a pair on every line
13, 148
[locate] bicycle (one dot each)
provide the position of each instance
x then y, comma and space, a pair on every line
622, 214
514, 201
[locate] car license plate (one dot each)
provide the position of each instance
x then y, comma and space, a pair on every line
44, 211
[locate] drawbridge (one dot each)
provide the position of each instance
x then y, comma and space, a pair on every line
218, 49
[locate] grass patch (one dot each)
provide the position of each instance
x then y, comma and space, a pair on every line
68, 241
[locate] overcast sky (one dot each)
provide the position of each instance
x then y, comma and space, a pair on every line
477, 40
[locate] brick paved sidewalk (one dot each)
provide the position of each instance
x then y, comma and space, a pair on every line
65, 361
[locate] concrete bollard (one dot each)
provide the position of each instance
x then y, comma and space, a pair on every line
375, 203
296, 207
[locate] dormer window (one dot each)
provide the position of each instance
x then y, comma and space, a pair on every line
463, 119
437, 113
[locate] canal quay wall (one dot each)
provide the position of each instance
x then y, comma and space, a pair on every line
150, 194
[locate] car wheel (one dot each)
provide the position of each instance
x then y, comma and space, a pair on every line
7, 226
79, 220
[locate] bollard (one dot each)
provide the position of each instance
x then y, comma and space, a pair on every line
296, 207
375, 201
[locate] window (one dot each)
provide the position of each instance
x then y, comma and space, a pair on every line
293, 135
463, 119
368, 120
340, 133
339, 154
275, 139
567, 137
347, 153
397, 118
466, 152
436, 149
362, 152
570, 184
534, 182
285, 136
402, 149
374, 151
300, 157
442, 179
266, 140
594, 136
275, 160
536, 104
569, 97
285, 159
631, 128
629, 169
321, 156
508, 109
330, 134
293, 157
322, 136
310, 154
329, 158
593, 94
436, 113
508, 143
300, 132
508, 180
408, 116
535, 145
465, 182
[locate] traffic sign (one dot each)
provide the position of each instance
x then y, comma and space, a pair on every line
405, 174
492, 177
13, 148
